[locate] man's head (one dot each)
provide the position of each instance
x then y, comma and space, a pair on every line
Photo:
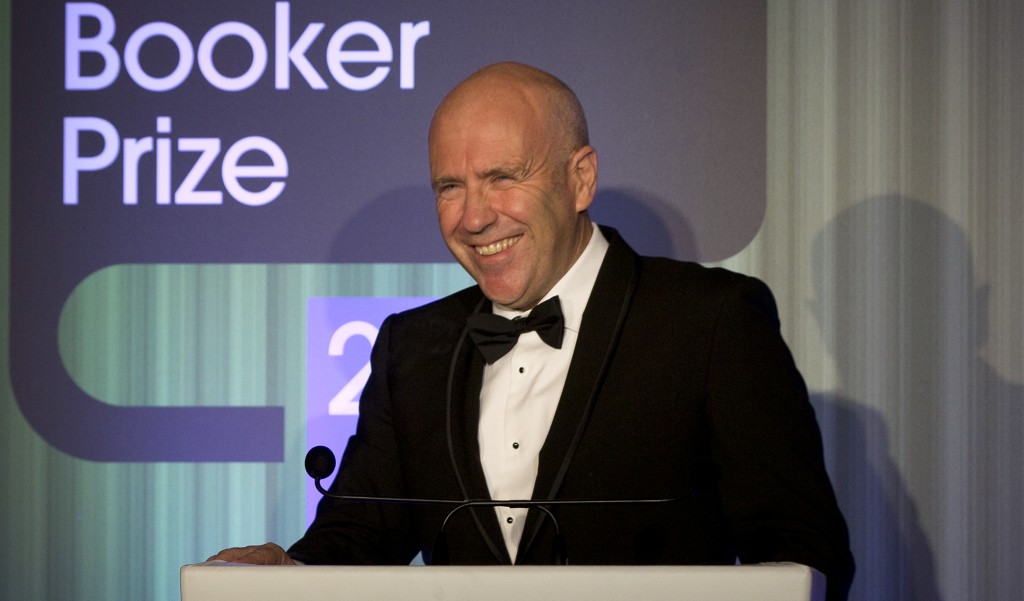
513, 173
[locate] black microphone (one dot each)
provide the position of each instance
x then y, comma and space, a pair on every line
320, 463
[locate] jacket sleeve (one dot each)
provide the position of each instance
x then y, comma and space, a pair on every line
767, 446
364, 532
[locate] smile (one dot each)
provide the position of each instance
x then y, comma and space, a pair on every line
496, 247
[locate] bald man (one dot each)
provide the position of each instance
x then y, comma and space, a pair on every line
574, 369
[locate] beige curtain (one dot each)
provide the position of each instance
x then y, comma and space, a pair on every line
893, 240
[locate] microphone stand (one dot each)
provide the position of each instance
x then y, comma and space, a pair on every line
320, 463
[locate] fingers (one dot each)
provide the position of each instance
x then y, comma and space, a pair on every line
267, 554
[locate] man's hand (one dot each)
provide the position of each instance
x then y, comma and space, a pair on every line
267, 554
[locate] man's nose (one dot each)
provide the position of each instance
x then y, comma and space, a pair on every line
479, 213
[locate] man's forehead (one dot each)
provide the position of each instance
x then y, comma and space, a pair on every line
493, 114
489, 148
485, 130
458, 162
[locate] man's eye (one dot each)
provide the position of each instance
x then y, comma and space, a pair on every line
447, 191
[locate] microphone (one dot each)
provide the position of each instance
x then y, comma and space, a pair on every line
320, 463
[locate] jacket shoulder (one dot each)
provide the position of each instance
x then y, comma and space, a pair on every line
439, 320
704, 290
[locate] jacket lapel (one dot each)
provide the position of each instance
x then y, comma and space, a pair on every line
599, 334
464, 419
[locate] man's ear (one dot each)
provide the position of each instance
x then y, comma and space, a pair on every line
583, 176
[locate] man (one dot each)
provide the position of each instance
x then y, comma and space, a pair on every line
665, 381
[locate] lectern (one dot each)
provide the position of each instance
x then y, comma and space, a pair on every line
763, 582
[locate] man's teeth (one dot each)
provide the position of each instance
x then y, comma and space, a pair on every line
497, 247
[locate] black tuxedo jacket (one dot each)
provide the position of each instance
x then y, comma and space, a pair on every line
680, 386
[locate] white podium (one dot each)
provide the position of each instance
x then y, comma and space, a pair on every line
766, 582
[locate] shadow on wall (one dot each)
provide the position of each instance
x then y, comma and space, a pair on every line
924, 441
894, 558
401, 227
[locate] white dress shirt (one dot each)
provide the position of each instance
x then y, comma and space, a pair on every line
520, 393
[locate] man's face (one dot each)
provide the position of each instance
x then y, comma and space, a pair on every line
508, 198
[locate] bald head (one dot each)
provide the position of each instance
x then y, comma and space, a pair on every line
515, 86
513, 175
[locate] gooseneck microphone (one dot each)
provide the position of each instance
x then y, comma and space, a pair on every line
320, 464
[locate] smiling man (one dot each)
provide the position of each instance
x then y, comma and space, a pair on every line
575, 369
514, 174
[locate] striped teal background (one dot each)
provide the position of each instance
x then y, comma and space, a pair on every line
177, 334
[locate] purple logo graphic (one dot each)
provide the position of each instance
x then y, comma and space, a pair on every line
339, 335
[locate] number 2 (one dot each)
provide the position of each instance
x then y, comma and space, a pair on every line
346, 402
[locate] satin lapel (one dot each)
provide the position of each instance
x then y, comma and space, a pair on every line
598, 338
466, 380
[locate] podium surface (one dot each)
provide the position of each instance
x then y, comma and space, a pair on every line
764, 582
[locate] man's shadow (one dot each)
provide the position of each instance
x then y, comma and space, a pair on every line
924, 442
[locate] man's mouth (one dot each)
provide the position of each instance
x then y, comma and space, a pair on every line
496, 247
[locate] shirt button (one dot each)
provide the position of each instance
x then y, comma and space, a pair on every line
509, 519
522, 370
515, 445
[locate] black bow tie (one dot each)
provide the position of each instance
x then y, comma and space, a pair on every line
495, 335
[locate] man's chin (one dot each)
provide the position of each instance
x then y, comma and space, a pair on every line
507, 291
500, 295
